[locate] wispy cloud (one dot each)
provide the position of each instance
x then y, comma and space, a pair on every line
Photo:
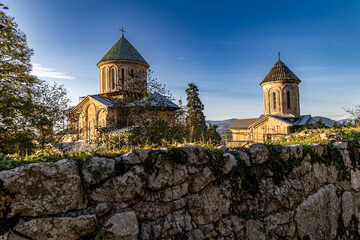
40, 71
180, 58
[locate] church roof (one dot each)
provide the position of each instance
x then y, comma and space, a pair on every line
123, 50
243, 123
279, 72
154, 100
106, 101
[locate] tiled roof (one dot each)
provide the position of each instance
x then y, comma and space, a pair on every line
294, 120
106, 101
154, 100
243, 123
280, 72
123, 50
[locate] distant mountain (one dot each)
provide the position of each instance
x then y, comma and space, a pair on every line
327, 121
223, 125
345, 120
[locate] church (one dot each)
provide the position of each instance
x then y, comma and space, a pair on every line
123, 82
281, 103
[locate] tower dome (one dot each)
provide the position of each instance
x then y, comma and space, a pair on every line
122, 68
281, 91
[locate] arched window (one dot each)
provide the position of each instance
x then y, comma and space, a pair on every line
122, 78
91, 130
140, 80
288, 99
274, 99
132, 79
106, 79
112, 78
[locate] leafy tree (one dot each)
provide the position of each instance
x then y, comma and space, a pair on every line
154, 118
15, 87
195, 119
27, 104
49, 104
212, 135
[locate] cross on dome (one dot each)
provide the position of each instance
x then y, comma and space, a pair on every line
122, 31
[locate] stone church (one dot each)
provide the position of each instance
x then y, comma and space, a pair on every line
123, 79
281, 101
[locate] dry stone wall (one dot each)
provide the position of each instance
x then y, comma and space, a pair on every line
263, 192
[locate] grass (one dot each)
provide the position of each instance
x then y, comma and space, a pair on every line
322, 135
304, 136
50, 154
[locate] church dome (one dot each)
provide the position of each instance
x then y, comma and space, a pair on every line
280, 72
123, 50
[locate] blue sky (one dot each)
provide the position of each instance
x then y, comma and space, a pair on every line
225, 47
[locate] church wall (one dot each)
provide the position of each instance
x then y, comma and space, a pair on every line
240, 135
271, 130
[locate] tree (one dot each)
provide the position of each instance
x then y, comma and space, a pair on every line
195, 119
212, 135
355, 114
154, 118
49, 104
15, 87
28, 106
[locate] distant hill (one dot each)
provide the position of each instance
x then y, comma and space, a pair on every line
223, 125
327, 121
345, 120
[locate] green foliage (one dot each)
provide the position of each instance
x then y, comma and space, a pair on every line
48, 105
26, 103
15, 88
212, 135
195, 119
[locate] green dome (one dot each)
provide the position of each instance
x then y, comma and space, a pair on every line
123, 50
280, 72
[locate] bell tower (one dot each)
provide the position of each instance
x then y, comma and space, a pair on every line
281, 91
123, 68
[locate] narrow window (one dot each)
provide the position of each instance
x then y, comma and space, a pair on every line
140, 80
103, 79
132, 79
122, 78
288, 99
274, 99
91, 130
112, 77
106, 80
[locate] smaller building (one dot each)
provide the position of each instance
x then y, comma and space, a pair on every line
281, 101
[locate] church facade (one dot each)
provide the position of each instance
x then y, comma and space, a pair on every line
123, 80
281, 105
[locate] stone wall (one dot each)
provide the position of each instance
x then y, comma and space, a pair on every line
265, 192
